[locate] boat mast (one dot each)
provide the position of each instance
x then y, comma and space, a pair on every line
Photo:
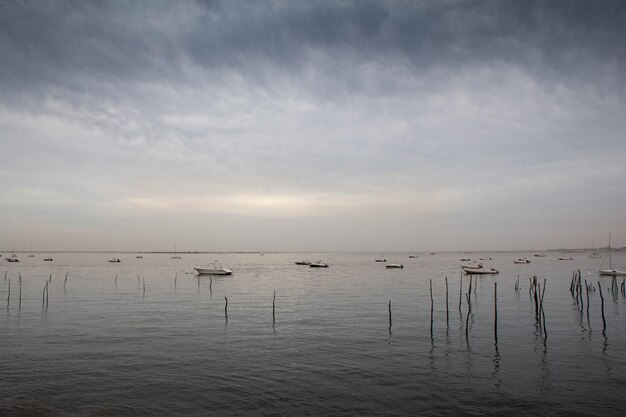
610, 265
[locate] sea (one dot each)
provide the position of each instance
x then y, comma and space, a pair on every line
81, 336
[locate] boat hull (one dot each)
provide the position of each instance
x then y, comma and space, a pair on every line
612, 272
474, 271
210, 271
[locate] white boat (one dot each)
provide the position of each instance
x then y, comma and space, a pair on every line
521, 261
48, 259
213, 269
485, 258
381, 260
565, 258
394, 266
480, 271
611, 271
593, 253
116, 260
318, 264
175, 254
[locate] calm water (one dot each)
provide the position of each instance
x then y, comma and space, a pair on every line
102, 348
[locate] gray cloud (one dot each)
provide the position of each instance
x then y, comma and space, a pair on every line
119, 109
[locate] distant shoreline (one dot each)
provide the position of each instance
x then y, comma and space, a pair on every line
423, 253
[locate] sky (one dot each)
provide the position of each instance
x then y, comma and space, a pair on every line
312, 125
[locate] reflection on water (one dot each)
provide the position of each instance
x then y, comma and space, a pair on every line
155, 340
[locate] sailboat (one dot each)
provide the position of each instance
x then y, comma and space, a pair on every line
611, 271
594, 254
175, 255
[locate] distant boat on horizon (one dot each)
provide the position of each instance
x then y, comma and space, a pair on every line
318, 264
175, 254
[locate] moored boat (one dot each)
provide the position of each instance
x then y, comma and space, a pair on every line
318, 264
394, 266
566, 258
611, 271
48, 259
213, 269
521, 261
305, 262
381, 260
115, 260
480, 271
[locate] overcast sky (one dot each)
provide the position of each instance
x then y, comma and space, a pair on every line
312, 125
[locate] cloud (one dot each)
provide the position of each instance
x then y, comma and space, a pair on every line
433, 113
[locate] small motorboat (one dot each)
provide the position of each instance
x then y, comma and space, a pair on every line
412, 256
115, 260
539, 255
565, 258
213, 269
394, 266
485, 258
318, 264
12, 260
139, 257
381, 260
473, 265
480, 271
521, 261
48, 259
305, 262
465, 259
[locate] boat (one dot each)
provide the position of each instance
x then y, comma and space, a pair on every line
32, 255
213, 269
473, 265
381, 260
175, 254
47, 259
521, 261
593, 253
394, 266
318, 264
303, 262
565, 258
116, 260
465, 259
139, 257
413, 256
539, 255
485, 258
480, 271
611, 271
12, 260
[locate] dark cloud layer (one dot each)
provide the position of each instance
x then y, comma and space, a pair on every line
55, 42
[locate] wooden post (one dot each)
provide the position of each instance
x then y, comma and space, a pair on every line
9, 294
543, 314
175, 279
461, 291
447, 310
495, 311
65, 281
587, 292
226, 308
602, 301
20, 303
431, 308
144, 286
389, 306
274, 308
